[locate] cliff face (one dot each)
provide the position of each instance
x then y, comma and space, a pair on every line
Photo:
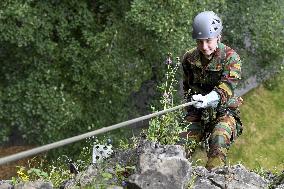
161, 167
167, 167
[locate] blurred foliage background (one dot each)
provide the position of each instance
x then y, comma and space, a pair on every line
68, 67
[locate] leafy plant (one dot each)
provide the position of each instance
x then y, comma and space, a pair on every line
58, 174
35, 173
122, 173
22, 174
191, 182
274, 83
166, 128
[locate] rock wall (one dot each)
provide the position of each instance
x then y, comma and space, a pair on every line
162, 167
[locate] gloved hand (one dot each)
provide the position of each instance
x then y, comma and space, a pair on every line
209, 100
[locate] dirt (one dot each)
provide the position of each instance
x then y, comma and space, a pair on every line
9, 170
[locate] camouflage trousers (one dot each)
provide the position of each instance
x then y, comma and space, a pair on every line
221, 134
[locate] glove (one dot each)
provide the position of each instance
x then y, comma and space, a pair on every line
209, 100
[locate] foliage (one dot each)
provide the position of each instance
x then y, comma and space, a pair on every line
191, 182
73, 66
58, 170
59, 74
166, 128
58, 174
274, 83
255, 32
22, 174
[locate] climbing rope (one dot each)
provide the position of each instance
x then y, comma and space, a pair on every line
64, 142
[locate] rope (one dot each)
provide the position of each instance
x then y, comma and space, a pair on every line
64, 142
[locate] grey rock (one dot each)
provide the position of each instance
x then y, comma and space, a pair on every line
235, 177
87, 177
34, 185
281, 186
5, 184
68, 184
114, 187
161, 167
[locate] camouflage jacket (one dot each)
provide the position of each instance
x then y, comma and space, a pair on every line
222, 74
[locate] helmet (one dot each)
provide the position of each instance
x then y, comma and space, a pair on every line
206, 25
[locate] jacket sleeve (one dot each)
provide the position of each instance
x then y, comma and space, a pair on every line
230, 77
187, 75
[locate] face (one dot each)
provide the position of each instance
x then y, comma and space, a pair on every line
207, 46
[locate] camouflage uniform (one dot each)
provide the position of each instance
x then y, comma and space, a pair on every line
222, 74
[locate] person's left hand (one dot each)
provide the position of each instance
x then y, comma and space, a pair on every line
209, 100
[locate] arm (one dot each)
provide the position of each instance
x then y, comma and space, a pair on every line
225, 89
230, 76
187, 75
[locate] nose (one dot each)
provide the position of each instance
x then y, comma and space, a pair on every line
204, 45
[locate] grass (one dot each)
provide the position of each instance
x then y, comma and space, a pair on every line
262, 143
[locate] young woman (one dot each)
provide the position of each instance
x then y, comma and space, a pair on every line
212, 71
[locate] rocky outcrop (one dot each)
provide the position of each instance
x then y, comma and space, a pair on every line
236, 176
34, 185
26, 185
166, 167
161, 167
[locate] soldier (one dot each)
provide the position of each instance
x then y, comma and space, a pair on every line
212, 71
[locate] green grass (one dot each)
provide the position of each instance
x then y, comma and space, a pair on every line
262, 143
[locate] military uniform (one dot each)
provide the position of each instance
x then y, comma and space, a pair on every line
221, 74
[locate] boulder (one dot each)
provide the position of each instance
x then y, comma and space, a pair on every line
236, 176
34, 185
161, 167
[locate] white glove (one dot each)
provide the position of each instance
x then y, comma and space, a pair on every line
209, 100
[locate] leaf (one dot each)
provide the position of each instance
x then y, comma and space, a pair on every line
106, 175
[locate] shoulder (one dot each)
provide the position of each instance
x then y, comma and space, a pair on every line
190, 55
233, 62
230, 54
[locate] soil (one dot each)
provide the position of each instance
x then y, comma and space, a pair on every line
9, 170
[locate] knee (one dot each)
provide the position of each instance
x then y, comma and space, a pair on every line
224, 132
194, 132
220, 139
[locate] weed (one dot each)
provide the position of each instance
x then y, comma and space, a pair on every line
166, 128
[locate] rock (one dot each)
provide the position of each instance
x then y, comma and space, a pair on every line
68, 184
161, 167
34, 185
278, 181
281, 186
114, 187
87, 177
228, 177
5, 184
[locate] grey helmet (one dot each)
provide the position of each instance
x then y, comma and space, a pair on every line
206, 25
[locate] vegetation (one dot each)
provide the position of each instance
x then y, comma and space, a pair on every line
71, 65
166, 128
258, 148
68, 67
261, 144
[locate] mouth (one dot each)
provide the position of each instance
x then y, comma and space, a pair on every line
206, 52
